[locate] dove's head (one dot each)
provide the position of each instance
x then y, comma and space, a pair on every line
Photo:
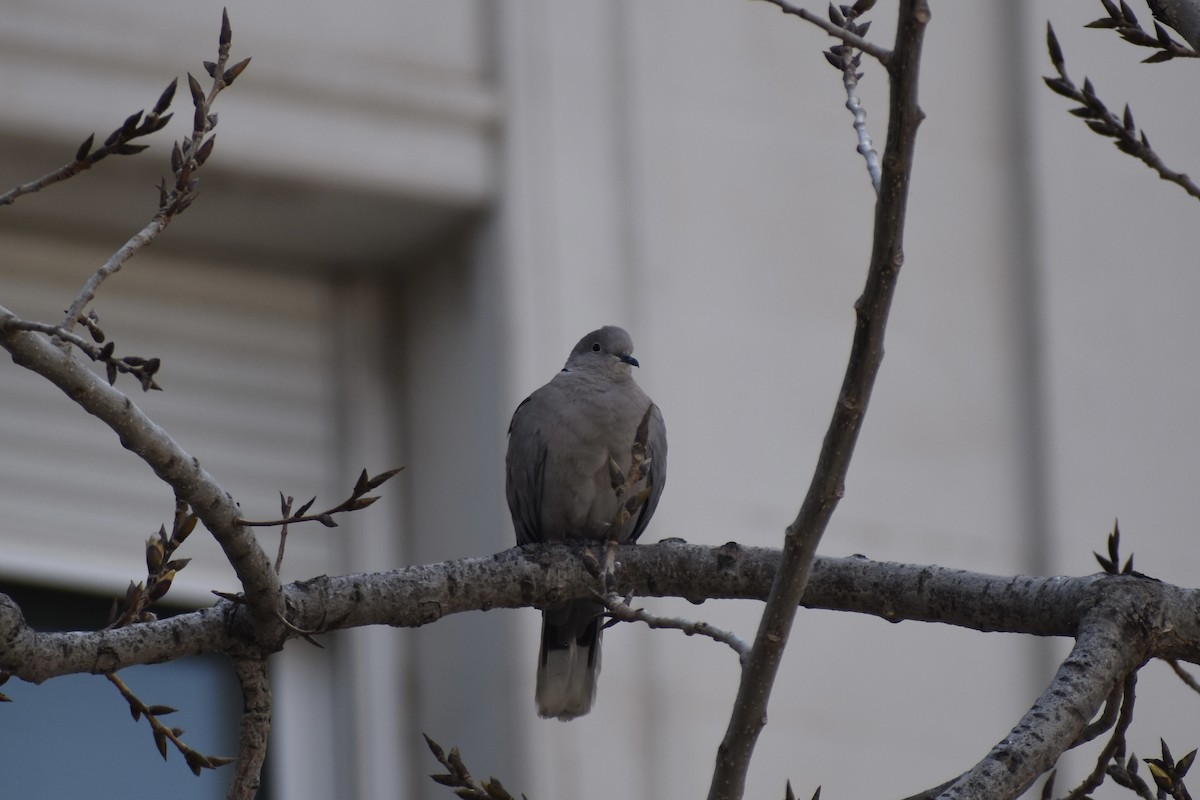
608, 348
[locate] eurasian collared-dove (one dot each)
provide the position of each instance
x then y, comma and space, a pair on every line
559, 483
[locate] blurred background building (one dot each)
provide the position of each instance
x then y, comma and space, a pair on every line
415, 209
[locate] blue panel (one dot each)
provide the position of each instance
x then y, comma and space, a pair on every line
74, 736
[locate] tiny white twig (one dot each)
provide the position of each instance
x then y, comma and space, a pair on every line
865, 148
69, 170
136, 242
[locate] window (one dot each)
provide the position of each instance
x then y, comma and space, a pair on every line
57, 738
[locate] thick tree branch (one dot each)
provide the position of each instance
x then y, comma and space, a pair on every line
1113, 641
170, 462
1120, 621
1120, 703
544, 574
828, 483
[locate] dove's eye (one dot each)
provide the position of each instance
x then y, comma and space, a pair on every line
595, 347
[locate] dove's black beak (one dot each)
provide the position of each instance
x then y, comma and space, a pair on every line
628, 359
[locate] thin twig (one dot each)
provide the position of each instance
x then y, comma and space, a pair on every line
458, 777
1116, 743
1183, 674
68, 170
620, 610
1121, 18
90, 349
186, 160
847, 60
1048, 786
114, 263
163, 733
827, 486
865, 147
1127, 137
301, 632
1126, 778
144, 369
358, 500
161, 570
882, 55
285, 508
119, 142
1112, 708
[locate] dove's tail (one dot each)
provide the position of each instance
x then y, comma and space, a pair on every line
569, 662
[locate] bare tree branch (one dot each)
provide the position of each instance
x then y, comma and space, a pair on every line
164, 733
254, 729
1113, 707
285, 509
828, 483
621, 611
118, 143
1122, 619
882, 55
358, 500
1188, 679
847, 60
1182, 16
1123, 699
186, 160
1112, 643
1125, 775
170, 462
543, 574
1127, 137
144, 369
460, 779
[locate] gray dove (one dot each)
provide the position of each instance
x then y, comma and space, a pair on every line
560, 487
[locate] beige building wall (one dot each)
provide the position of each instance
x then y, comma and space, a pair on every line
472, 185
